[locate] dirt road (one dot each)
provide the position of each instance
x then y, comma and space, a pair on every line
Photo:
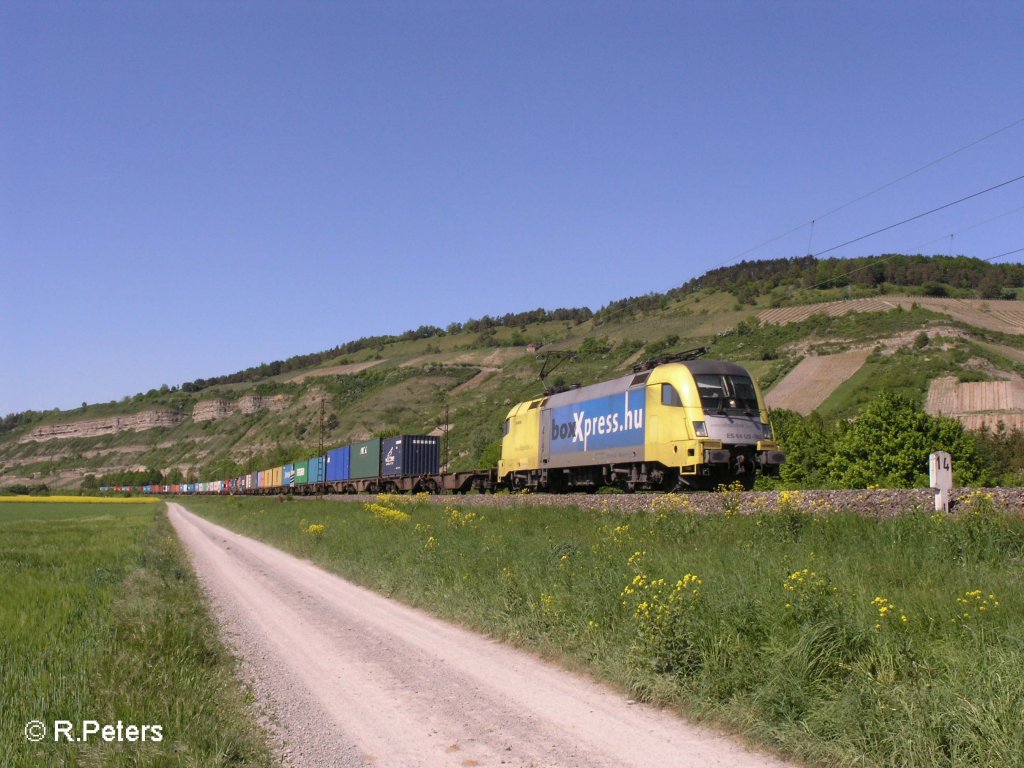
354, 679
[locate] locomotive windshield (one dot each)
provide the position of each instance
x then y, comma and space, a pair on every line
723, 393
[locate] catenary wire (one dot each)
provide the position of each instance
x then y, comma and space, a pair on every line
866, 195
919, 216
972, 226
1001, 255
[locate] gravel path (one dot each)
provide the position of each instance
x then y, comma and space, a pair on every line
351, 678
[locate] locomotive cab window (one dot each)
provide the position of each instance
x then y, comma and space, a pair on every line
722, 393
669, 396
508, 425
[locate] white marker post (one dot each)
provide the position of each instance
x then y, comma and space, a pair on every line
940, 477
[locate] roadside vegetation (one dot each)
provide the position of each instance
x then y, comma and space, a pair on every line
103, 620
887, 446
833, 638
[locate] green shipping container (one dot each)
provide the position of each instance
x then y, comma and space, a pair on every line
301, 472
364, 460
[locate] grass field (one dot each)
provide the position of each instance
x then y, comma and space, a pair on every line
832, 638
78, 500
102, 620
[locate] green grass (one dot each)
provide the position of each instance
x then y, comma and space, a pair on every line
826, 333
828, 679
102, 620
906, 372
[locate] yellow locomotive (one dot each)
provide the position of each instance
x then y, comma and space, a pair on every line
675, 423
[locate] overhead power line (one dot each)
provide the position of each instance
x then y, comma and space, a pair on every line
866, 195
919, 216
1001, 255
972, 226
924, 167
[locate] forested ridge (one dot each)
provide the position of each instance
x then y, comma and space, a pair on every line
984, 279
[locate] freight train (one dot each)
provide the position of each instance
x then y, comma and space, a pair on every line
675, 423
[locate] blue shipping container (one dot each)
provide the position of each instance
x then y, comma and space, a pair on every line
337, 464
315, 473
410, 455
288, 474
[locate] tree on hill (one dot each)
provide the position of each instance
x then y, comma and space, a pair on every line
752, 278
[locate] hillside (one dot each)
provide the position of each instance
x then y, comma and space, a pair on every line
826, 345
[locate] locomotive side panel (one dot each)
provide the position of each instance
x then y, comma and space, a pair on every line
610, 429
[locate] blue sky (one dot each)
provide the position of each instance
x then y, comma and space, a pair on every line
188, 189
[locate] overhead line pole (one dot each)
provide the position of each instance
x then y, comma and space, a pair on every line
321, 458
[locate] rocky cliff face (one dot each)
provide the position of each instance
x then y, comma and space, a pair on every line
210, 410
137, 422
254, 403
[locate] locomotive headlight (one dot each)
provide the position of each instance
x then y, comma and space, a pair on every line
700, 429
766, 431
